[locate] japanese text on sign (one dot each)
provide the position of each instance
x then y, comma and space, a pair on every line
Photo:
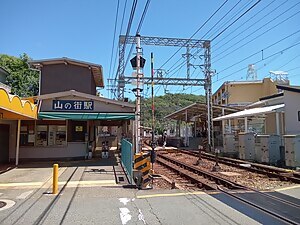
72, 105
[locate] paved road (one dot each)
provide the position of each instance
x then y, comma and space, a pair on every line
89, 195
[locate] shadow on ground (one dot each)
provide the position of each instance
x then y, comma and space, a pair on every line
111, 161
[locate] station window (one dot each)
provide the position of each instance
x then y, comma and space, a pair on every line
51, 133
27, 133
43, 133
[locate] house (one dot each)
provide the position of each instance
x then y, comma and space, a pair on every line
242, 93
277, 114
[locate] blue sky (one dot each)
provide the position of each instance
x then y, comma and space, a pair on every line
84, 30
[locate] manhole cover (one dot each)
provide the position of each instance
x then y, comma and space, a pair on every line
2, 204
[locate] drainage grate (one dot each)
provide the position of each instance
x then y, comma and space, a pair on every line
2, 204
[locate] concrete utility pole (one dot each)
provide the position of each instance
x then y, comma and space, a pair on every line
138, 95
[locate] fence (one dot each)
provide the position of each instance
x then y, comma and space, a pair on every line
127, 158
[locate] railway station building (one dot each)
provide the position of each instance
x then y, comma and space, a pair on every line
72, 121
230, 97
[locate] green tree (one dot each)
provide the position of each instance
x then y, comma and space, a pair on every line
165, 105
23, 81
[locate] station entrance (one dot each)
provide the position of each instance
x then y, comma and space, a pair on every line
4, 143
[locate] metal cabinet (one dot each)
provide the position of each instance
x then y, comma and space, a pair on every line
267, 148
231, 146
292, 150
247, 146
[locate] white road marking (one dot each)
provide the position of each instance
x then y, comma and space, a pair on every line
125, 216
24, 195
9, 203
141, 216
124, 200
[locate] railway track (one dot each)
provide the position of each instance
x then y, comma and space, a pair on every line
279, 208
270, 171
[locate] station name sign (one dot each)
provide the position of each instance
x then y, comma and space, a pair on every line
72, 105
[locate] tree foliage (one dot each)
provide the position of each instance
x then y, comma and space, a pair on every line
23, 81
165, 105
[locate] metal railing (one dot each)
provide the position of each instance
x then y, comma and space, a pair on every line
127, 158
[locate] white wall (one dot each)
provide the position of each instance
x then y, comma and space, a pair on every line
292, 107
72, 150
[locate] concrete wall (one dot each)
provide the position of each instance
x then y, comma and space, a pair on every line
12, 136
292, 107
61, 77
245, 92
238, 93
271, 123
72, 150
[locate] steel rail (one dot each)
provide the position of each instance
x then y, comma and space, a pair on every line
207, 175
184, 169
271, 171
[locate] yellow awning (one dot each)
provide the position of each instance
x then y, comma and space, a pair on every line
13, 107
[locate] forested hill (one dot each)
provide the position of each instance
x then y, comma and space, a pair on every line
165, 105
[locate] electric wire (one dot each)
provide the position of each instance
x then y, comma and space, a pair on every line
138, 30
260, 51
248, 10
231, 18
195, 33
143, 16
113, 89
113, 42
288, 62
129, 24
278, 52
256, 37
114, 37
182, 64
245, 22
247, 28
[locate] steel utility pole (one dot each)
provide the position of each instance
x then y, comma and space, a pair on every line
138, 94
152, 96
177, 42
208, 93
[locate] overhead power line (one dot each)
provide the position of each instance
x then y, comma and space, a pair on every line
121, 27
132, 12
138, 29
113, 42
278, 52
248, 10
266, 31
231, 18
260, 51
143, 16
195, 33
197, 51
245, 23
